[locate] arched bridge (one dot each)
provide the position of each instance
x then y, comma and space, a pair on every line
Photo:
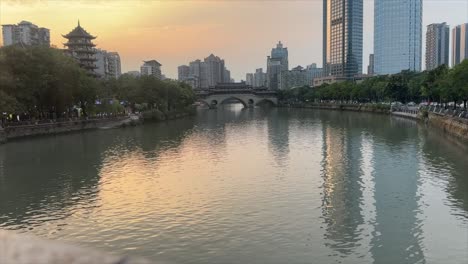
246, 95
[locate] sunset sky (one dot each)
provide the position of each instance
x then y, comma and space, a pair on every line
176, 32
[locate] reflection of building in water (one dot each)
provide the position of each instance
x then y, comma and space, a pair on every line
397, 228
278, 135
437, 153
342, 190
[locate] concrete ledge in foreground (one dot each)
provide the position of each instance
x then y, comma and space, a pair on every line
23, 249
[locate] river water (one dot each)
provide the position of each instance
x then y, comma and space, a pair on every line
247, 186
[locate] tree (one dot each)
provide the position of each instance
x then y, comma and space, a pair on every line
459, 77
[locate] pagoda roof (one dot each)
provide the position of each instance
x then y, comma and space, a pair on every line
79, 32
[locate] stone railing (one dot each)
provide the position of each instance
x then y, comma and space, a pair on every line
21, 249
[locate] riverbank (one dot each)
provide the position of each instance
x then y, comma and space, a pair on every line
373, 108
454, 126
158, 116
54, 128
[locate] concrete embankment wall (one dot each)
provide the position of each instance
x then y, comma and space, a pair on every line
15, 132
343, 107
454, 126
451, 125
156, 115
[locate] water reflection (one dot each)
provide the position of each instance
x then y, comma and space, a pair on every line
342, 190
449, 157
242, 186
397, 232
278, 135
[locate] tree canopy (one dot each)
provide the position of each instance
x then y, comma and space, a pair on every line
40, 80
440, 85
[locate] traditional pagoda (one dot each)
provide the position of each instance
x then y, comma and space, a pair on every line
81, 47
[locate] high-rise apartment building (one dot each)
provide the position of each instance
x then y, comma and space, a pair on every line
459, 44
274, 69
207, 73
437, 45
25, 33
249, 79
107, 64
183, 72
151, 68
101, 63
342, 37
260, 78
114, 65
215, 70
296, 77
397, 35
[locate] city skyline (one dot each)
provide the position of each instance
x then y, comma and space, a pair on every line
170, 31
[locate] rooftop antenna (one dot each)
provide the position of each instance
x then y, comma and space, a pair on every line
78, 22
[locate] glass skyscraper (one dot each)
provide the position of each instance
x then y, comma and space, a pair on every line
342, 37
397, 35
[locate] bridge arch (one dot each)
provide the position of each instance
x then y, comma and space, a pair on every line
265, 100
204, 102
244, 103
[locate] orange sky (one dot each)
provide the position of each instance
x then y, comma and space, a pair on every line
176, 32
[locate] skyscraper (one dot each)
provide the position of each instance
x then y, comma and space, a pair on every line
25, 33
277, 63
397, 35
437, 45
459, 44
342, 37
281, 54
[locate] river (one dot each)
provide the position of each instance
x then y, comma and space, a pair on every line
247, 186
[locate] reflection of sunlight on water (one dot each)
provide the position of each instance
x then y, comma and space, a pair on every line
235, 185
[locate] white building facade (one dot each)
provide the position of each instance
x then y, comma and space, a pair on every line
25, 33
108, 64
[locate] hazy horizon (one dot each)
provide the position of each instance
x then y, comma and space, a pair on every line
177, 32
